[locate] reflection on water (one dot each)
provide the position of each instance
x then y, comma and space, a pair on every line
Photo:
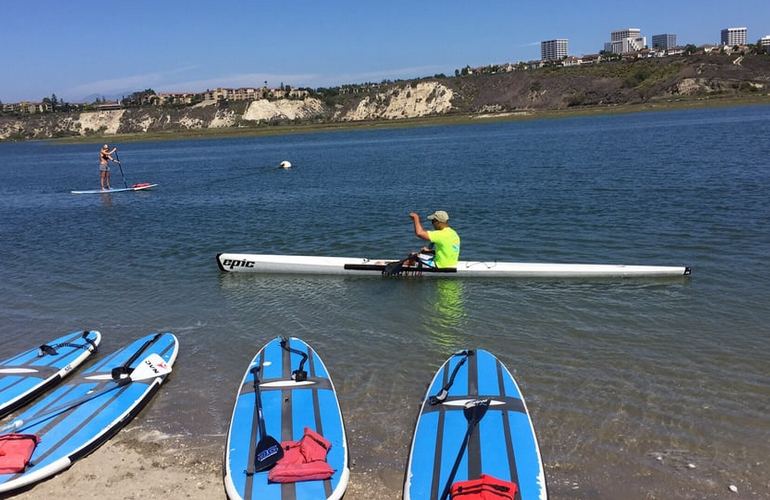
106, 200
445, 321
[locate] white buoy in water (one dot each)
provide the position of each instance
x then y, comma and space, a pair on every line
285, 164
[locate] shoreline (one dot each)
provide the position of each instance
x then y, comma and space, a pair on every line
429, 121
144, 463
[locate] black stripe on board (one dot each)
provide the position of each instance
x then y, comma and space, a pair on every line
33, 394
317, 411
249, 486
54, 420
119, 425
507, 430
474, 441
78, 427
42, 372
434, 487
288, 490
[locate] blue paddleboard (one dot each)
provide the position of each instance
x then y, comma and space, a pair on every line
501, 443
27, 375
288, 407
81, 414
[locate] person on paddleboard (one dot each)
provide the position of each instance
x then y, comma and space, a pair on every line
444, 248
105, 157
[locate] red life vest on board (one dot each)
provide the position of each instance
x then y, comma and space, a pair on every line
303, 460
485, 488
15, 452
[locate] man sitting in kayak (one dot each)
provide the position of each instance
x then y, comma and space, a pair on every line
444, 250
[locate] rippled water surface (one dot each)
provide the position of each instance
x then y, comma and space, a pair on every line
637, 388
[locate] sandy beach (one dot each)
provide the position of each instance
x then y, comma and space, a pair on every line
140, 463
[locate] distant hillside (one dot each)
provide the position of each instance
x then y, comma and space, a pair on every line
550, 88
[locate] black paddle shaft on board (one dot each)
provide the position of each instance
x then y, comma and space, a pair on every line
474, 411
268, 450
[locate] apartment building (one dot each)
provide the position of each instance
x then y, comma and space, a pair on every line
554, 50
27, 107
765, 42
625, 41
734, 36
665, 41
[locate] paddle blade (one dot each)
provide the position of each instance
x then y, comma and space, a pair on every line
150, 367
267, 454
475, 410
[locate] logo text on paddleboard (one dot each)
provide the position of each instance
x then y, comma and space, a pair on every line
231, 263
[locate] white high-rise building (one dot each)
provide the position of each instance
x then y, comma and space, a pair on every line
554, 50
619, 35
734, 36
625, 41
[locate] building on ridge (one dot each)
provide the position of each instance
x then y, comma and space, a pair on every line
734, 36
665, 41
764, 42
626, 41
554, 50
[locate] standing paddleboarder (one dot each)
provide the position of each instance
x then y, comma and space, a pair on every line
105, 157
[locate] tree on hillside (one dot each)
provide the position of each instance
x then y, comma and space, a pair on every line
690, 49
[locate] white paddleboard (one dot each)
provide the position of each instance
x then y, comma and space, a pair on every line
135, 187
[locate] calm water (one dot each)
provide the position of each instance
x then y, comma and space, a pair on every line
628, 381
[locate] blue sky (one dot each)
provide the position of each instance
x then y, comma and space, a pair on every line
81, 48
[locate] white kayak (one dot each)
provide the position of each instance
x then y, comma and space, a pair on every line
299, 264
136, 187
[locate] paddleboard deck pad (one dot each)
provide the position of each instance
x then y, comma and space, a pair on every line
288, 406
27, 375
81, 414
135, 187
502, 443
351, 266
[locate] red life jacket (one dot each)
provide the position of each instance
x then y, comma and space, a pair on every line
15, 452
485, 488
303, 460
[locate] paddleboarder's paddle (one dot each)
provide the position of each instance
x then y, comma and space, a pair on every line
268, 450
150, 367
117, 160
474, 411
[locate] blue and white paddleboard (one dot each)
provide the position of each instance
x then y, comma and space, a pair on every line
27, 375
502, 443
135, 187
81, 414
288, 407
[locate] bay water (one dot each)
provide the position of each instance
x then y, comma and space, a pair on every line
637, 388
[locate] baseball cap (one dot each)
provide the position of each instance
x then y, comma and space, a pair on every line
439, 215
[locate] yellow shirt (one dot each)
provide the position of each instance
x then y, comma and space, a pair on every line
447, 247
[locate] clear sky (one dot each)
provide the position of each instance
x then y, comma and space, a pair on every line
82, 48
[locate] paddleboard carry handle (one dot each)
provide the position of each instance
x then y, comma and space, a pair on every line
50, 350
298, 375
444, 391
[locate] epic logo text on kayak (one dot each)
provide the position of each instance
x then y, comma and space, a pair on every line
231, 263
